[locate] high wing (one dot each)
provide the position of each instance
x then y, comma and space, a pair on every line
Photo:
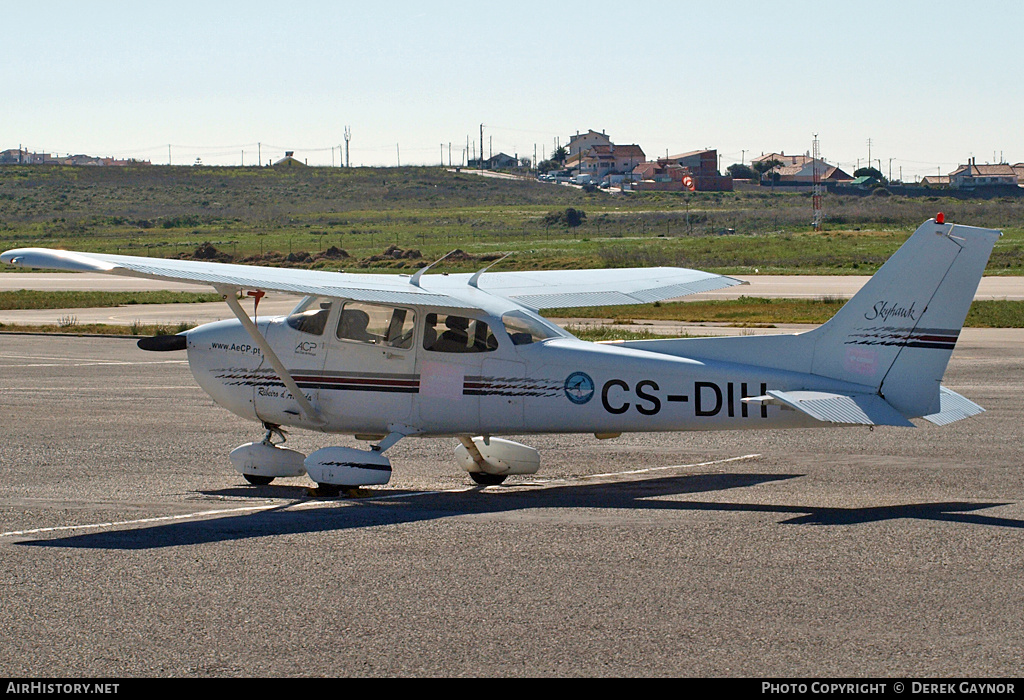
369, 288
574, 288
533, 290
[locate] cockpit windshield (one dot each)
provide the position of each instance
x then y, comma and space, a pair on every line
524, 329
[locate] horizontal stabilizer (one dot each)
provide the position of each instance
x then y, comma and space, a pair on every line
841, 409
953, 407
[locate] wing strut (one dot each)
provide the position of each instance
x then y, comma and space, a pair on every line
310, 413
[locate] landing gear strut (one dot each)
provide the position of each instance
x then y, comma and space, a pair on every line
272, 430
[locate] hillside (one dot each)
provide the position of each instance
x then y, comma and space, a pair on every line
348, 218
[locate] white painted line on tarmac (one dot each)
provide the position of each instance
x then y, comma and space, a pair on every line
81, 361
320, 503
676, 466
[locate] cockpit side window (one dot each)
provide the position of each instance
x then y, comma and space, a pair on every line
376, 325
451, 333
310, 318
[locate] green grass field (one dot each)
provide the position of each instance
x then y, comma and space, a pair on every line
759, 312
29, 299
265, 216
742, 312
399, 219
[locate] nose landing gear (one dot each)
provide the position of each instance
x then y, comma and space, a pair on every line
261, 462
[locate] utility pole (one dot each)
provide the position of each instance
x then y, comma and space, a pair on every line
348, 137
869, 153
259, 154
816, 178
481, 147
168, 154
398, 155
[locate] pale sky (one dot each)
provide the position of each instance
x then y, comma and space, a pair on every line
929, 83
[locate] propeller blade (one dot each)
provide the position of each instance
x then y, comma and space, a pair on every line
163, 343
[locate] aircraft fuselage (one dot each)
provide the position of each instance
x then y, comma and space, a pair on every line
556, 385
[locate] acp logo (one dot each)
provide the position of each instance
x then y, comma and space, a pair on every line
579, 387
306, 348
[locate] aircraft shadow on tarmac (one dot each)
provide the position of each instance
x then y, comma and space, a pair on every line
388, 509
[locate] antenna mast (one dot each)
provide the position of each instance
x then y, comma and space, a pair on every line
348, 137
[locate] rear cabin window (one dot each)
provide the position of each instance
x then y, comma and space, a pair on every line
451, 333
376, 325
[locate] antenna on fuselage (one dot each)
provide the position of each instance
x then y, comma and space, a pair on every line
415, 279
473, 281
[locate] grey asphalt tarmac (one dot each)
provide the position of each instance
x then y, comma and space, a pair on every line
129, 547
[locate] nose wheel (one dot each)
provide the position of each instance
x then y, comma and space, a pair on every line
261, 462
268, 439
485, 479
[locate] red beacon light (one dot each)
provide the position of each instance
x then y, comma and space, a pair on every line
940, 218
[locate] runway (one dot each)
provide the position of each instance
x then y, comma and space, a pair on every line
128, 546
771, 286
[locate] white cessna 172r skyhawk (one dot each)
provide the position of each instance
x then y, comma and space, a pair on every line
384, 357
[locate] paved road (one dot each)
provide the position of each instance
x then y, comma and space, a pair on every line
787, 286
128, 547
778, 286
89, 281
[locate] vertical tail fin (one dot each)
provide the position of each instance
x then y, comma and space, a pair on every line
893, 338
898, 332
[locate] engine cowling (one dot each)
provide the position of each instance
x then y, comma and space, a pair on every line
348, 466
265, 459
499, 457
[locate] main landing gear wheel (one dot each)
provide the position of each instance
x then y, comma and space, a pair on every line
326, 491
485, 479
258, 480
